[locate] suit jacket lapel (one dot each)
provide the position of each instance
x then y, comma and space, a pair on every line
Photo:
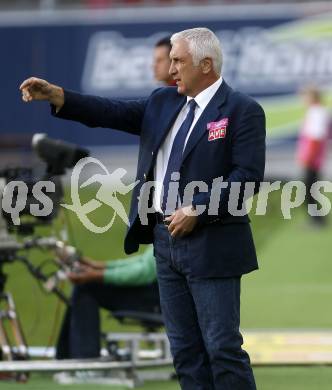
166, 124
211, 112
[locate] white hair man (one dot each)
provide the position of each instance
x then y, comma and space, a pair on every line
205, 131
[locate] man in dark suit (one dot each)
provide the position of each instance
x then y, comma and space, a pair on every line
204, 131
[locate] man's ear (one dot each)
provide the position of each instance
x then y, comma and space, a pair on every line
206, 65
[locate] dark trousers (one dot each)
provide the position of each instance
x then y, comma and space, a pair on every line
80, 332
310, 177
202, 319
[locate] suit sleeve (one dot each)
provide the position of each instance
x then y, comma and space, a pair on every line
94, 111
248, 162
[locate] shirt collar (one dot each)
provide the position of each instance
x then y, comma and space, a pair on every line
204, 97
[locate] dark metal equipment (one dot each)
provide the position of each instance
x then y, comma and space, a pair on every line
16, 205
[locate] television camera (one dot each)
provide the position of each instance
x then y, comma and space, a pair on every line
23, 190
29, 200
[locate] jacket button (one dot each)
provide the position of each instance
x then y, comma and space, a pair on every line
144, 176
152, 153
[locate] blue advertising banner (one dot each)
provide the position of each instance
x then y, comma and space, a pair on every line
269, 53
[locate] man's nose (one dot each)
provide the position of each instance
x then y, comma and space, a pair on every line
172, 70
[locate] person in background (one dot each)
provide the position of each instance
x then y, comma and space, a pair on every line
312, 143
162, 62
123, 284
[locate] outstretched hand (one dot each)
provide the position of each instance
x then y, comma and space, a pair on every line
34, 88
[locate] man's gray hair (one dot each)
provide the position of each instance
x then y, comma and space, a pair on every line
203, 43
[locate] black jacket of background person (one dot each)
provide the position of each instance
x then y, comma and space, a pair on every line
219, 246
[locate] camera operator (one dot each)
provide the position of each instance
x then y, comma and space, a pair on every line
123, 284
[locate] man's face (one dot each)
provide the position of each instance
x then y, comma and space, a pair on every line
187, 76
161, 64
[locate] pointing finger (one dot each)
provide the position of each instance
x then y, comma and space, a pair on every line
26, 83
29, 82
26, 95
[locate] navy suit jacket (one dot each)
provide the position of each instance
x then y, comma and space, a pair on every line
221, 245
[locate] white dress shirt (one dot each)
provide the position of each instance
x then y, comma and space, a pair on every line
202, 100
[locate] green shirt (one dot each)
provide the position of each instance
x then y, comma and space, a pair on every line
137, 270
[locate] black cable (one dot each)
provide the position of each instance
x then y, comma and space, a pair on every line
36, 272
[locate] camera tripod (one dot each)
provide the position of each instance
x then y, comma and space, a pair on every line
13, 345
12, 340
